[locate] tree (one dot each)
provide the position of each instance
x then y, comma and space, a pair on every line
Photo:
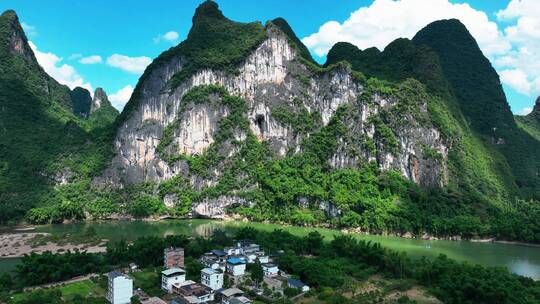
314, 242
256, 273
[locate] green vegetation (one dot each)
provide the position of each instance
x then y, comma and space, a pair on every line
329, 268
531, 122
529, 126
149, 280
302, 122
41, 136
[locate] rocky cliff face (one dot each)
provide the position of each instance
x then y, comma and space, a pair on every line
100, 99
271, 80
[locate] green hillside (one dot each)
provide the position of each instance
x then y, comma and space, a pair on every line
41, 135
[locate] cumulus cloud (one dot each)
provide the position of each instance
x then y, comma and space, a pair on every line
29, 30
517, 80
385, 20
523, 32
120, 98
170, 36
63, 73
513, 48
91, 59
135, 65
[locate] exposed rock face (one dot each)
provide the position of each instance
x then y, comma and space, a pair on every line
18, 43
100, 99
271, 77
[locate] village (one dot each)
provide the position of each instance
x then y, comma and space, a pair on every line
233, 275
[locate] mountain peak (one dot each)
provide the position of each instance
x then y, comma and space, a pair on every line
81, 99
12, 36
476, 83
208, 9
536, 110
100, 100
9, 14
284, 26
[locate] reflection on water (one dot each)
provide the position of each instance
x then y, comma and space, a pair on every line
522, 260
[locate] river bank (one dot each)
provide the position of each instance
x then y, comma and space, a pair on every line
523, 260
14, 245
237, 218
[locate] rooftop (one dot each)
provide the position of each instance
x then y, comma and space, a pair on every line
239, 300
296, 283
235, 261
173, 271
269, 265
115, 273
153, 300
231, 292
219, 252
172, 249
210, 271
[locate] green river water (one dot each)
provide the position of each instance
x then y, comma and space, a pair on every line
520, 259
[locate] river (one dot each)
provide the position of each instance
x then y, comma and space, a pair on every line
520, 259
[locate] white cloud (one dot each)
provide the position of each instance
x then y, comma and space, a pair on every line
135, 65
63, 73
120, 98
513, 46
29, 30
91, 59
170, 36
525, 111
517, 80
523, 32
385, 20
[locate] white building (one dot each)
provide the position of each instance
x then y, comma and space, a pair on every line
212, 278
120, 288
233, 250
270, 269
263, 259
171, 276
236, 266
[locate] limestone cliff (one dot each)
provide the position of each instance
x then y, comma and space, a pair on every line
392, 129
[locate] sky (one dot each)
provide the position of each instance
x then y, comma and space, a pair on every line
108, 44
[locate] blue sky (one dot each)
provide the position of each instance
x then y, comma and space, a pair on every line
108, 43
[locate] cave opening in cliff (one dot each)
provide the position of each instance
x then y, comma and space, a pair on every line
259, 121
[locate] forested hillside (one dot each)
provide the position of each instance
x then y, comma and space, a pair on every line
44, 143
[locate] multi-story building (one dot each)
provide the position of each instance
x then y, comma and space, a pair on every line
270, 269
171, 276
236, 266
173, 257
120, 288
212, 278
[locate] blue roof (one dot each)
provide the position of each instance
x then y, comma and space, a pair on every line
235, 261
296, 283
219, 252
